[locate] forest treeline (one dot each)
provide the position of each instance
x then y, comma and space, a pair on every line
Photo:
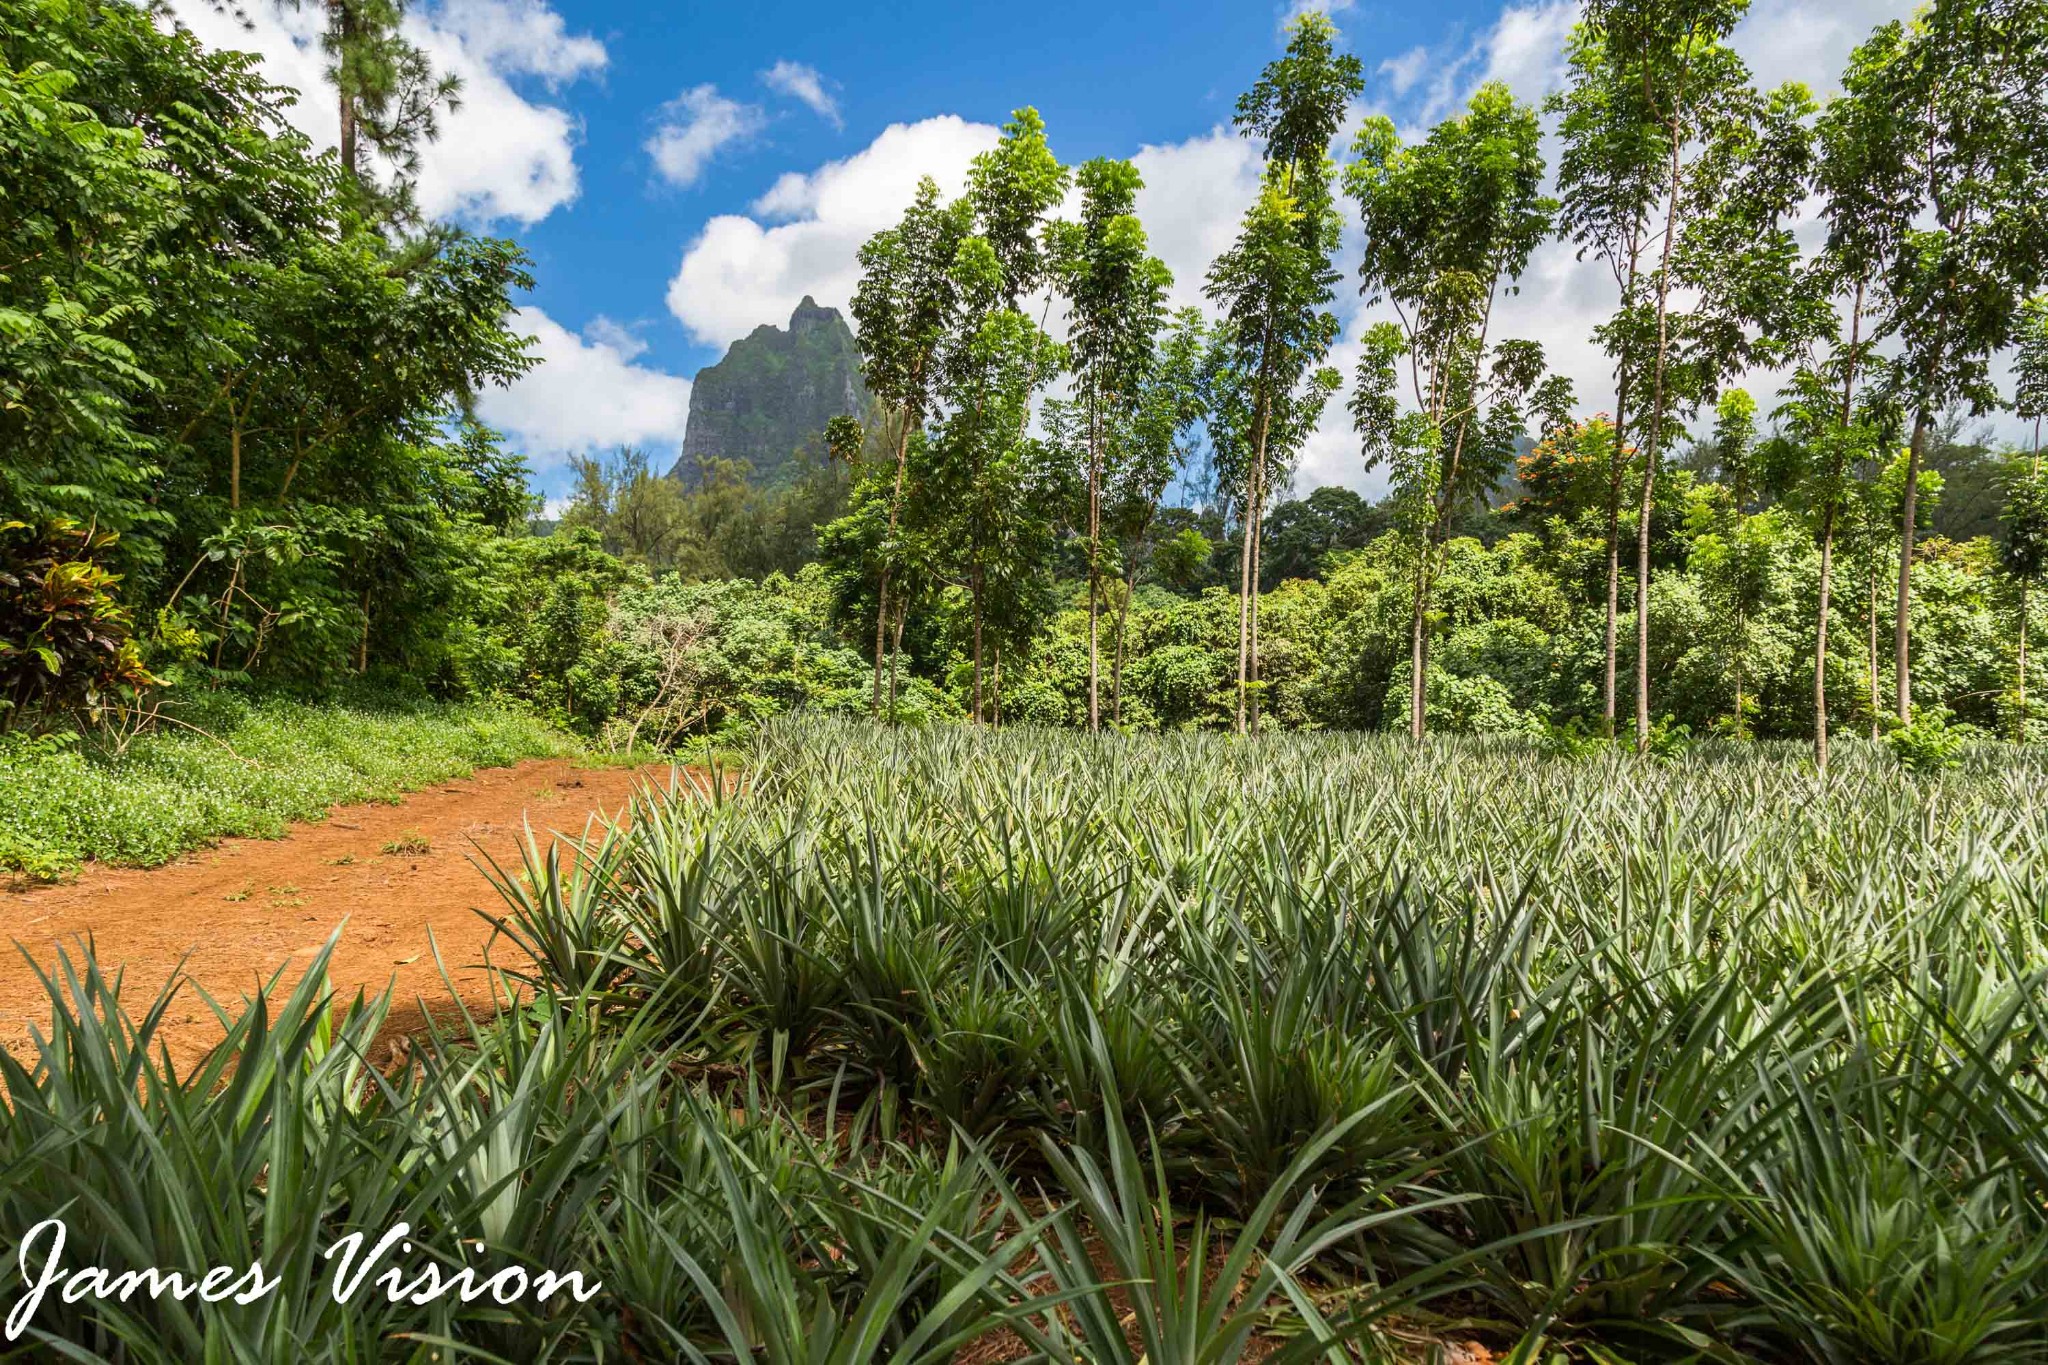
1688, 561
239, 449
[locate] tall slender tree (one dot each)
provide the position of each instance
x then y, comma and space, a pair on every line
1449, 224
1826, 433
1734, 168
1609, 177
1116, 296
993, 490
1674, 53
1274, 286
1148, 450
1269, 385
904, 310
388, 99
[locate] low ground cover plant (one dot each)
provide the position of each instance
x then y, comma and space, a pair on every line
1025, 1045
222, 764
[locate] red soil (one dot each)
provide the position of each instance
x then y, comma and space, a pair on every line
237, 914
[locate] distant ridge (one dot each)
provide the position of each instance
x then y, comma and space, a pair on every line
773, 394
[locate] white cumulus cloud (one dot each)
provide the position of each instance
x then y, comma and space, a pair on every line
501, 155
617, 335
521, 36
586, 394
803, 84
695, 126
1194, 196
802, 235
1404, 71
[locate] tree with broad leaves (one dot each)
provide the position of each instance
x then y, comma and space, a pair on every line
1267, 385
1148, 447
1824, 434
1449, 223
1011, 188
991, 489
1296, 106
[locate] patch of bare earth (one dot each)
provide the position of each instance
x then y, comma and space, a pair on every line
397, 879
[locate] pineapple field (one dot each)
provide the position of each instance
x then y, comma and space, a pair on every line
926, 1046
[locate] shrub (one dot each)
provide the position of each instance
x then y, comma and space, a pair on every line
1476, 705
66, 643
1930, 743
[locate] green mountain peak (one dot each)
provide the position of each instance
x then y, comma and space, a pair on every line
773, 394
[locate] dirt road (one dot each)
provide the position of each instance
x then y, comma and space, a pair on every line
238, 913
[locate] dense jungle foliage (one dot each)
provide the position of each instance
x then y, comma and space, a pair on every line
219, 359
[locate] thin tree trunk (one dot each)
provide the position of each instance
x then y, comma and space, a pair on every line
1902, 679
1643, 604
1652, 449
1741, 655
1244, 597
1870, 583
345, 29
895, 653
2035, 471
227, 603
975, 590
881, 637
1094, 563
1116, 666
363, 645
1258, 546
1827, 541
235, 466
882, 592
2021, 737
1416, 666
1247, 583
1820, 641
291, 471
1617, 467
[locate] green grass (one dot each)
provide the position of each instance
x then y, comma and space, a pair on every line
916, 1036
259, 766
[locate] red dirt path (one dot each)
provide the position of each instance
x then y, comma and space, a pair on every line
239, 912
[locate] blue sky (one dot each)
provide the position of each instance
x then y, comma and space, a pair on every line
682, 174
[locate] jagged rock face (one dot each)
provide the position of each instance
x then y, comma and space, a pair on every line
773, 394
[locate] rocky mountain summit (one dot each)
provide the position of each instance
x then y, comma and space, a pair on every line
773, 394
